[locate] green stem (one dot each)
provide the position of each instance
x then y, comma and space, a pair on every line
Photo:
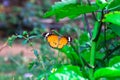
78, 54
80, 60
92, 59
95, 37
58, 57
41, 61
93, 14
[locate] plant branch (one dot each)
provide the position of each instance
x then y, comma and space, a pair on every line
81, 61
111, 52
3, 46
88, 27
92, 12
99, 23
96, 34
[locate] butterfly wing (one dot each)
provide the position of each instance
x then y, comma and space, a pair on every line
53, 40
62, 41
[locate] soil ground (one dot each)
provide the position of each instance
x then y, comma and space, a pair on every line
16, 49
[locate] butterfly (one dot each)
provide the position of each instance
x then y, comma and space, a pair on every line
56, 41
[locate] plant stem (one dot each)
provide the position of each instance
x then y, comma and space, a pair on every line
111, 51
88, 26
78, 54
95, 37
41, 61
81, 60
58, 57
93, 14
92, 58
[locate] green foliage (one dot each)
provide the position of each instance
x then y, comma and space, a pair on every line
11, 40
115, 29
73, 10
113, 5
86, 57
113, 17
84, 37
114, 60
108, 72
71, 54
2, 17
101, 3
13, 67
35, 52
63, 72
69, 9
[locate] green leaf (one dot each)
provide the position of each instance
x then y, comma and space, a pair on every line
101, 3
71, 54
24, 41
112, 17
114, 5
69, 1
115, 29
114, 60
71, 10
86, 55
36, 53
99, 55
19, 36
67, 51
68, 72
31, 65
32, 37
76, 69
11, 40
101, 41
108, 72
117, 65
84, 37
58, 5
25, 33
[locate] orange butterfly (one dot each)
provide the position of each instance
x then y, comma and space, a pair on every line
56, 41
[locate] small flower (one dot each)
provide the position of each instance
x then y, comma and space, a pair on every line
28, 75
53, 70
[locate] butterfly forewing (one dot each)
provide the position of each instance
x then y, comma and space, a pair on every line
53, 40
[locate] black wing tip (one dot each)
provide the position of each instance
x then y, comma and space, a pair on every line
44, 34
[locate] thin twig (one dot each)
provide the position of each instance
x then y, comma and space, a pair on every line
105, 38
88, 27
111, 52
3, 46
83, 61
92, 12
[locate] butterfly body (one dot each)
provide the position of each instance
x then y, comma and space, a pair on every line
56, 41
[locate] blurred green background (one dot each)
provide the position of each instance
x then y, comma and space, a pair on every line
29, 56
17, 16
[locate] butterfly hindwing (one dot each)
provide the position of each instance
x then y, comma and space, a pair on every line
62, 41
